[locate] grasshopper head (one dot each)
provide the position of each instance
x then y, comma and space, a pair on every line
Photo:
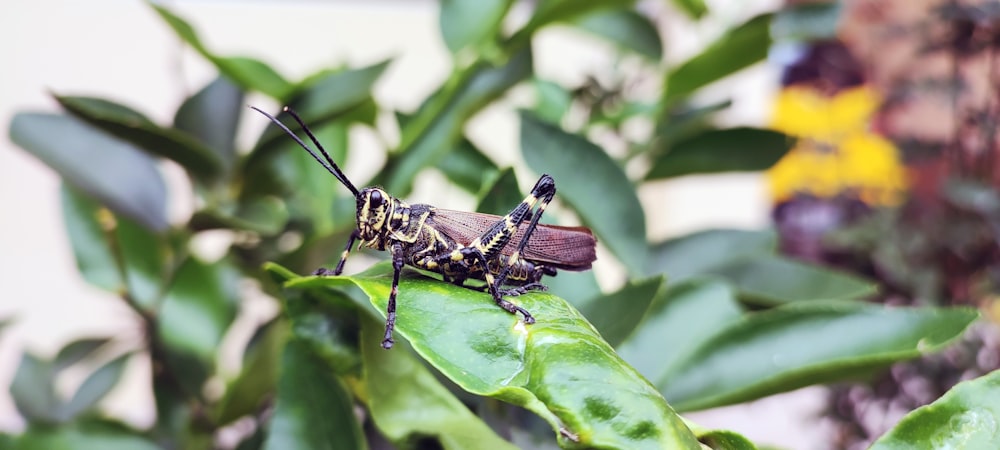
373, 209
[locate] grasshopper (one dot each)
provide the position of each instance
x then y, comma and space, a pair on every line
510, 254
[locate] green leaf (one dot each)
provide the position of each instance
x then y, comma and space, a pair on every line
198, 307
551, 11
728, 150
407, 402
802, 344
94, 258
501, 195
593, 184
579, 288
697, 253
739, 48
677, 323
552, 101
249, 73
94, 388
558, 367
266, 215
772, 280
113, 172
695, 9
147, 260
616, 315
313, 408
470, 23
806, 22
467, 166
76, 351
259, 374
964, 418
212, 115
336, 93
131, 126
625, 28
82, 436
725, 440
437, 127
32, 390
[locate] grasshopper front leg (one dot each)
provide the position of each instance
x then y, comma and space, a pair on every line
390, 310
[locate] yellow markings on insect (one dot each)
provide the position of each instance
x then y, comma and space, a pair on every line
456, 255
513, 258
431, 265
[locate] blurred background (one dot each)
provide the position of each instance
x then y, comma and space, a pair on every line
890, 172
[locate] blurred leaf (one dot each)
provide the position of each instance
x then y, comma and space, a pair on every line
697, 253
407, 403
266, 215
198, 307
801, 344
550, 11
82, 436
32, 390
437, 127
677, 323
686, 121
558, 367
76, 351
147, 260
964, 418
806, 22
772, 280
336, 93
713, 151
725, 440
617, 314
552, 101
94, 388
212, 115
117, 174
578, 288
467, 166
129, 125
469, 23
741, 47
258, 376
249, 73
626, 28
502, 195
94, 258
695, 9
588, 179
313, 408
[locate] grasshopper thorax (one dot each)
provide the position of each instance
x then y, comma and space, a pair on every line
374, 208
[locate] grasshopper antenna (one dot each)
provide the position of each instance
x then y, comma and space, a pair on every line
328, 164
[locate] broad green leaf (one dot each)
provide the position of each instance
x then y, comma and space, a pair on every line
590, 181
94, 258
684, 121
32, 390
552, 101
266, 215
76, 351
129, 125
467, 166
578, 288
728, 150
967, 417
802, 344
616, 315
198, 307
697, 253
677, 323
626, 28
313, 408
212, 115
695, 9
249, 73
83, 436
407, 402
94, 388
773, 280
437, 127
259, 374
725, 440
336, 93
111, 171
501, 195
806, 22
147, 260
551, 11
737, 49
470, 23
558, 367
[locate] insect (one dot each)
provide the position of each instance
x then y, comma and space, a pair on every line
510, 253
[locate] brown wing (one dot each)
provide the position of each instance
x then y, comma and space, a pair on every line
569, 248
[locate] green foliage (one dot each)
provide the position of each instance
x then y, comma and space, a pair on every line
703, 320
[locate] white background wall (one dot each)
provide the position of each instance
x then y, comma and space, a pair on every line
121, 50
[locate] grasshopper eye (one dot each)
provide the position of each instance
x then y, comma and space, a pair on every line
376, 198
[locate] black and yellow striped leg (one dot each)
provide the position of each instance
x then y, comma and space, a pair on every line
544, 191
494, 289
390, 309
343, 257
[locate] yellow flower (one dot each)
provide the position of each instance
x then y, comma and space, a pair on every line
836, 153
